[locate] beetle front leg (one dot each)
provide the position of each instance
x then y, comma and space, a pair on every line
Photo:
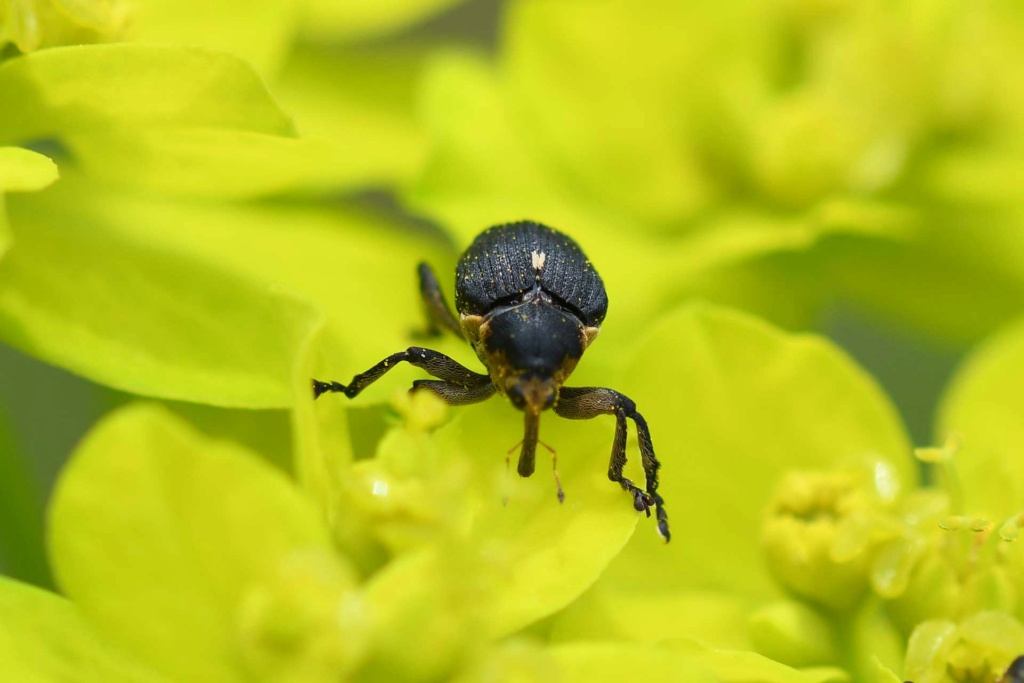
437, 364
583, 403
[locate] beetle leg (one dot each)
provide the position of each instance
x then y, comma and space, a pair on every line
439, 315
456, 394
583, 403
437, 364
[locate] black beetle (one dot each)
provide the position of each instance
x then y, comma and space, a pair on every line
530, 303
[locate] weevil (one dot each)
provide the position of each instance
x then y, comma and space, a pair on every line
530, 303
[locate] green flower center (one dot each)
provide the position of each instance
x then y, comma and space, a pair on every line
978, 650
947, 566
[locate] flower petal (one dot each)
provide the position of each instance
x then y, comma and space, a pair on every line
715, 619
259, 33
358, 269
44, 638
22, 170
611, 661
982, 410
143, 86
169, 118
360, 105
157, 532
201, 161
82, 295
737, 666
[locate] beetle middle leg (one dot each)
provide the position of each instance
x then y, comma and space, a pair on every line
460, 384
439, 315
583, 403
456, 394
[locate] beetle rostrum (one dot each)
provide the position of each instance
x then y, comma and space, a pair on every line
530, 303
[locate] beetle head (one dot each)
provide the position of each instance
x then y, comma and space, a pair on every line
531, 392
531, 349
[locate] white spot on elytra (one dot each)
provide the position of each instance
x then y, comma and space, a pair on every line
538, 259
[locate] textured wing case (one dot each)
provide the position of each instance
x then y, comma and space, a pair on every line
502, 264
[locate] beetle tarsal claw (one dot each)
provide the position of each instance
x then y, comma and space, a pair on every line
321, 388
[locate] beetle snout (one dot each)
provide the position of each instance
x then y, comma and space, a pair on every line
531, 392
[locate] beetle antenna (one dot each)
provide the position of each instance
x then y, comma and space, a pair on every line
508, 486
554, 459
554, 468
520, 443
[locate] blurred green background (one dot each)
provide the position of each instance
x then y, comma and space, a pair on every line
880, 145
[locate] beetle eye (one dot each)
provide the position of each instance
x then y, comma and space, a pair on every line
530, 392
549, 399
515, 395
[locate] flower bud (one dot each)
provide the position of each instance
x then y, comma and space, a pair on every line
417, 485
947, 566
821, 531
979, 649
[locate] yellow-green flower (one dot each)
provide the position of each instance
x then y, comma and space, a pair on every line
195, 250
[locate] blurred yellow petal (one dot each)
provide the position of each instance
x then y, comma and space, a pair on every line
158, 534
